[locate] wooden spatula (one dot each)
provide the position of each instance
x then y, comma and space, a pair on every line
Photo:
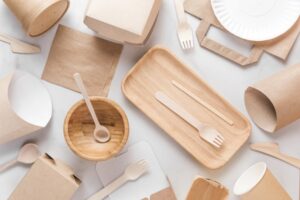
272, 149
18, 46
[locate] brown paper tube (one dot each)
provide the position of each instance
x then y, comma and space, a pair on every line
258, 183
37, 16
275, 101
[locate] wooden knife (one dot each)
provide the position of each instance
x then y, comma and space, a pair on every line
18, 46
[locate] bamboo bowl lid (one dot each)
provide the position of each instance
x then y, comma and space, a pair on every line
79, 127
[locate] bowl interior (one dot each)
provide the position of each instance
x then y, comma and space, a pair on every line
79, 128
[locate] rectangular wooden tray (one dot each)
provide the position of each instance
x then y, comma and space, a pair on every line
154, 72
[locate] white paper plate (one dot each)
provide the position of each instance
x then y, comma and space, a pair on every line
257, 20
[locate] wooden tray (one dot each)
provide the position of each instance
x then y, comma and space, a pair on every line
154, 72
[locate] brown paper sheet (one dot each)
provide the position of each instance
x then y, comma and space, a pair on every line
280, 47
47, 179
94, 58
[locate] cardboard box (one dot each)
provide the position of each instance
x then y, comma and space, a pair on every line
48, 179
126, 21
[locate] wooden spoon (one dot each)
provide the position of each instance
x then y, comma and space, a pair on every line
28, 154
272, 149
101, 133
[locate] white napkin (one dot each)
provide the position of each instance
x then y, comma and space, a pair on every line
151, 182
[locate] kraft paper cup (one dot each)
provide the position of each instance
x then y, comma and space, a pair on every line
37, 16
25, 105
258, 183
275, 101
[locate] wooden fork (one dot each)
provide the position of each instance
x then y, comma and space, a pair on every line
184, 30
207, 133
131, 173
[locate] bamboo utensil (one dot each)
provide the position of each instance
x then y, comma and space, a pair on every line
202, 102
79, 129
209, 134
18, 46
273, 149
101, 133
154, 72
28, 154
132, 173
184, 30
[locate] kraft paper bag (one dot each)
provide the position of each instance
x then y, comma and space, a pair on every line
94, 58
280, 47
47, 179
204, 189
25, 105
274, 102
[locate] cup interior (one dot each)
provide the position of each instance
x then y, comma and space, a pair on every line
250, 178
29, 99
261, 109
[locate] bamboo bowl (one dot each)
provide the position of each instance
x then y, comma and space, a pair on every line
79, 127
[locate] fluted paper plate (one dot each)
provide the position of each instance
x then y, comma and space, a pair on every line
257, 20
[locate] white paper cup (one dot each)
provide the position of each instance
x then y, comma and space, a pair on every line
258, 183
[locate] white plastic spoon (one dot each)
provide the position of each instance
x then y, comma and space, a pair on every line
28, 154
101, 133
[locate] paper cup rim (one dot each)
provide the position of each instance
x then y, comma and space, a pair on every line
259, 169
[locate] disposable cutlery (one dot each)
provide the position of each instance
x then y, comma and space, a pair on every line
207, 133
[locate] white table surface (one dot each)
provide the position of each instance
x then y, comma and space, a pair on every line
229, 79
